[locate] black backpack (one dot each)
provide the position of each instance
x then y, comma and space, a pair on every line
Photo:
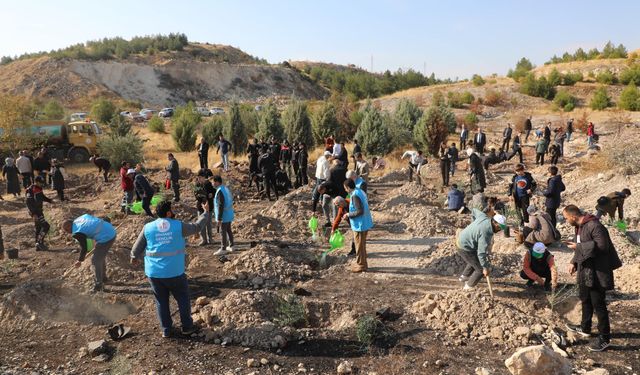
604, 201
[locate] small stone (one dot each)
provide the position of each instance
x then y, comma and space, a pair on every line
276, 368
101, 358
482, 371
522, 331
590, 362
201, 301
264, 361
345, 367
97, 347
440, 363
252, 363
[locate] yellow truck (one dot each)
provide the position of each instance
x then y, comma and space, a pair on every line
75, 141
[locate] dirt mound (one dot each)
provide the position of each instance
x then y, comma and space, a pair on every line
408, 195
267, 266
393, 176
245, 318
505, 258
626, 279
50, 301
468, 316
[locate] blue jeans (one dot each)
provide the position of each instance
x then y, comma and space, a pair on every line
225, 161
569, 136
179, 288
590, 141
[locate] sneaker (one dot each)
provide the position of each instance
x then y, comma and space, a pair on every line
577, 329
166, 334
41, 247
229, 249
203, 243
189, 331
467, 287
530, 283
352, 253
599, 345
220, 251
463, 278
98, 288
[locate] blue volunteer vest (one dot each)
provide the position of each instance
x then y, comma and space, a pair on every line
165, 248
227, 213
359, 182
363, 222
97, 229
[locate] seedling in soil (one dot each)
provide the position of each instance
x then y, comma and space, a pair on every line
290, 312
556, 297
369, 329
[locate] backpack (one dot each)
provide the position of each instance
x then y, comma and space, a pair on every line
604, 201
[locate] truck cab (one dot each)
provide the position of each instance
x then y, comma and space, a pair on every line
82, 138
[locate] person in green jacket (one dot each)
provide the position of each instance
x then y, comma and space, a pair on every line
541, 149
474, 244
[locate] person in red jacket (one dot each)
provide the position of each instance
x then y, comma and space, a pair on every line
126, 183
591, 132
539, 267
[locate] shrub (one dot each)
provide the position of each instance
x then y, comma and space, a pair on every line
369, 329
554, 78
630, 98
53, 110
324, 122
523, 67
373, 133
437, 98
297, 125
582, 122
269, 125
565, 101
406, 115
434, 128
470, 119
156, 125
102, 110
606, 78
212, 129
290, 312
185, 123
398, 132
458, 100
571, 78
121, 148
477, 80
250, 119
492, 98
631, 75
234, 130
537, 87
118, 125
600, 99
467, 97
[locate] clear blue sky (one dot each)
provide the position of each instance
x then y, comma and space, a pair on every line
454, 39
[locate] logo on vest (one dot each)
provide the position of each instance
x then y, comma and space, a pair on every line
163, 225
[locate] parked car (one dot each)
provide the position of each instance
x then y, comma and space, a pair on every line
125, 114
78, 116
258, 108
202, 111
166, 112
216, 111
147, 113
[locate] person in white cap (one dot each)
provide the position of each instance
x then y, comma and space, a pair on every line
539, 267
474, 244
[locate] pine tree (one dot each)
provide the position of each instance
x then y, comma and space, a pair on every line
434, 128
297, 125
373, 133
324, 122
234, 130
600, 99
269, 125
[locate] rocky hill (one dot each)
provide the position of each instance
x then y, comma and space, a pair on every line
199, 73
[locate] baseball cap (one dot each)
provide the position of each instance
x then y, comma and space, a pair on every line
327, 153
501, 220
538, 250
131, 170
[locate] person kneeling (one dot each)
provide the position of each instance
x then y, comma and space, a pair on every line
539, 267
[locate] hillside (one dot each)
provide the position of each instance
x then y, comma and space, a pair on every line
200, 73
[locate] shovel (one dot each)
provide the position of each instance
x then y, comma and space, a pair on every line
490, 288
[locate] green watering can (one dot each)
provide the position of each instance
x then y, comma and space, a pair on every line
313, 225
336, 241
622, 226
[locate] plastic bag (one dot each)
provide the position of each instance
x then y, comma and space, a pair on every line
136, 207
336, 240
154, 200
621, 225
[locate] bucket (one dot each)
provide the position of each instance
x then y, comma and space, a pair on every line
12, 253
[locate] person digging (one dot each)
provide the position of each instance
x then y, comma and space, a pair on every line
539, 267
103, 235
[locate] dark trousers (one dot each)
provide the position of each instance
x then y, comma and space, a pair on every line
42, 228
546, 276
554, 159
60, 194
539, 158
226, 235
413, 168
480, 148
105, 174
315, 196
302, 172
26, 179
463, 143
146, 204
176, 190
526, 138
473, 269
444, 171
505, 143
521, 206
552, 213
178, 287
594, 300
270, 183
514, 152
204, 160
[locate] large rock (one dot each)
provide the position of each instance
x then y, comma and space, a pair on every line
536, 360
97, 347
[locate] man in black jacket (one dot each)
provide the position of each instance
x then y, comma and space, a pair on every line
173, 175
547, 135
594, 260
303, 162
285, 158
555, 186
103, 165
569, 129
268, 168
275, 151
527, 128
516, 148
144, 190
35, 198
521, 189
506, 137
253, 152
479, 141
203, 154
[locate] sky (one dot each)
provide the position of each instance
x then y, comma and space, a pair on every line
453, 39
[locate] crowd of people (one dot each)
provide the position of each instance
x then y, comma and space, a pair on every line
340, 195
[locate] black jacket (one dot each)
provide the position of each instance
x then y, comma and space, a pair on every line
275, 150
41, 164
143, 186
595, 256
35, 199
356, 149
483, 139
285, 154
516, 143
266, 163
57, 178
203, 149
507, 132
303, 158
527, 124
337, 176
555, 186
174, 170
547, 133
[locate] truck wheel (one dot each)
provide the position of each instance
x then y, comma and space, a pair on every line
79, 155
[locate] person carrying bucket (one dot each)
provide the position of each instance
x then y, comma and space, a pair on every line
97, 233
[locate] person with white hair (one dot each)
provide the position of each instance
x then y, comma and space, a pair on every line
359, 181
10, 173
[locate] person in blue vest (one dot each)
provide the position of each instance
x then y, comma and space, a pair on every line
359, 181
103, 235
223, 213
361, 222
162, 244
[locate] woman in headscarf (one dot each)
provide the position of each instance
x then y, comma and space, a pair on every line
10, 172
